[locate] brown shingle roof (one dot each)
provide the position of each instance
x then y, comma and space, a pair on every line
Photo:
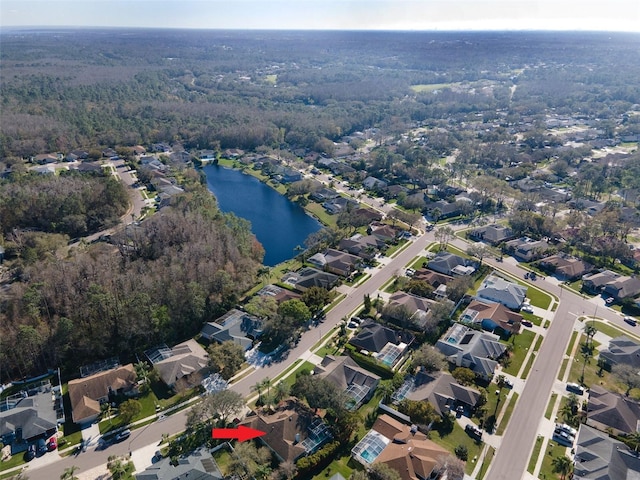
86, 393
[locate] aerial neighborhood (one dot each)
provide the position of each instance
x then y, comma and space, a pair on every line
465, 309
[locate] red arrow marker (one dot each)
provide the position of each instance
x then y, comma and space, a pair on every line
241, 433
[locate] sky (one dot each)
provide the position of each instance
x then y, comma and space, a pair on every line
604, 15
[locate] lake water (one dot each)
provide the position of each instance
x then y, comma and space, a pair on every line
279, 224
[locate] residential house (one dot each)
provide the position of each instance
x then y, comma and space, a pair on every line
339, 204
445, 209
138, 150
25, 417
622, 287
383, 232
473, 349
279, 294
393, 191
418, 308
493, 234
526, 249
451, 264
498, 289
492, 315
594, 282
565, 267
608, 410
291, 432
359, 384
622, 350
433, 278
441, 390
364, 246
236, 326
198, 465
589, 206
323, 195
87, 393
43, 158
385, 344
373, 183
336, 261
371, 215
180, 366
409, 452
598, 456
308, 277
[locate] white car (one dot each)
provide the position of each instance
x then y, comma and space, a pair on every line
527, 308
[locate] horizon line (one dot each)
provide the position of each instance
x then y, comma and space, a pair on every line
267, 29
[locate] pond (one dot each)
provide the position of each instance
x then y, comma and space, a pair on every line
279, 224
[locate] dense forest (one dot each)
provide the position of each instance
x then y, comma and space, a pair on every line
168, 275
69, 89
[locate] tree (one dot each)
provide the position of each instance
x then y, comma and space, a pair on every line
463, 375
69, 473
562, 465
569, 410
444, 234
247, 460
226, 358
430, 358
129, 409
478, 250
262, 306
633, 439
294, 310
224, 404
590, 330
286, 471
318, 392
422, 413
458, 287
120, 467
450, 465
627, 375
316, 298
462, 452
382, 471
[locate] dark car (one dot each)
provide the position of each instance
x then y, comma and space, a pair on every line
42, 446
473, 431
575, 388
631, 321
30, 454
527, 323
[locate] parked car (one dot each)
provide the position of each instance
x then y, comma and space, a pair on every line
575, 388
527, 308
563, 427
609, 300
52, 444
30, 454
631, 321
123, 435
41, 446
473, 431
563, 438
527, 323
508, 383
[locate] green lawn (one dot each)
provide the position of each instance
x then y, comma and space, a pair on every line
611, 330
457, 437
538, 297
534, 456
486, 462
552, 402
574, 334
527, 369
536, 320
507, 413
521, 344
563, 368
553, 450
321, 214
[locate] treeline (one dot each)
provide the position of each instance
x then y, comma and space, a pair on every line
160, 281
74, 204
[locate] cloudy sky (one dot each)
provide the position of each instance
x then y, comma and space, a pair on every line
611, 15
